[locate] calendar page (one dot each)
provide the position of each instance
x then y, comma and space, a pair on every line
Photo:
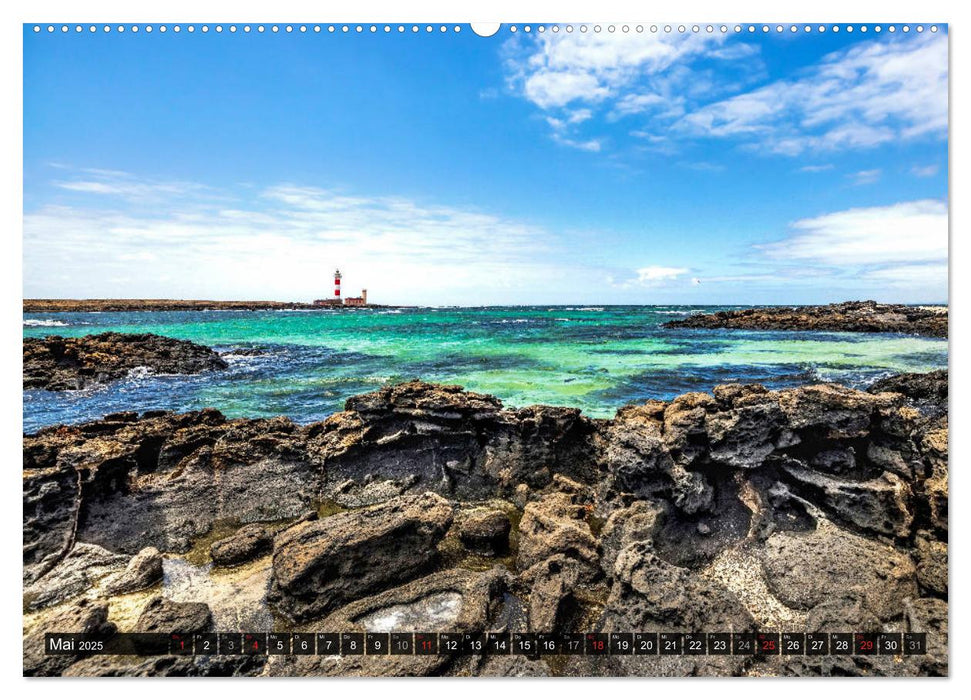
548, 349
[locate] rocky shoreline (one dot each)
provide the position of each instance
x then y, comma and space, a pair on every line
56, 363
818, 508
105, 305
32, 306
857, 316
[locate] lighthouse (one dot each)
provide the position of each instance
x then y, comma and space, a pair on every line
338, 300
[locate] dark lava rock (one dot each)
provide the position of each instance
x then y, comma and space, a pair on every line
449, 440
160, 481
84, 616
164, 616
247, 543
321, 565
513, 667
485, 531
929, 615
56, 363
553, 592
144, 570
167, 666
881, 505
635, 523
927, 391
556, 524
51, 502
650, 593
934, 445
863, 316
83, 566
830, 503
803, 569
930, 555
454, 600
929, 386
839, 611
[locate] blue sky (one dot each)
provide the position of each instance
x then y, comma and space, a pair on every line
447, 168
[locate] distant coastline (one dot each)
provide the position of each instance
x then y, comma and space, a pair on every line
92, 305
89, 305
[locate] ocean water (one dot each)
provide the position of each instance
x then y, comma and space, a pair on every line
594, 358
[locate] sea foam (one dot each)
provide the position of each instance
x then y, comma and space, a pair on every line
43, 323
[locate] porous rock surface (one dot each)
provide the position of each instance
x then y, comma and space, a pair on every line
56, 363
245, 544
813, 508
860, 316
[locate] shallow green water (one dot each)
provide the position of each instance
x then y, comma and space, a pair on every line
595, 358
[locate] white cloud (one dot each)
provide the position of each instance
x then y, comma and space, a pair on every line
641, 103
122, 184
924, 171
904, 233
880, 90
910, 276
563, 130
865, 177
893, 253
549, 88
560, 71
875, 92
816, 168
658, 273
593, 145
282, 243
589, 67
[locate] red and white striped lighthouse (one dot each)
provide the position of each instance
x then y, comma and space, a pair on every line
337, 285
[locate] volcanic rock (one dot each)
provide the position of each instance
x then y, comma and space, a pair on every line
56, 363
861, 316
168, 617
843, 610
880, 505
454, 600
167, 666
552, 586
650, 594
321, 565
636, 523
930, 556
83, 566
160, 481
927, 391
83, 616
247, 543
143, 571
929, 615
51, 502
449, 440
816, 506
485, 531
934, 492
556, 524
803, 569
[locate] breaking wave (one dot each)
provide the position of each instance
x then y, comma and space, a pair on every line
44, 323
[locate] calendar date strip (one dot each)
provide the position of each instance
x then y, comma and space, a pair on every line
492, 643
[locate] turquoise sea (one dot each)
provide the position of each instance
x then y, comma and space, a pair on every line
594, 358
